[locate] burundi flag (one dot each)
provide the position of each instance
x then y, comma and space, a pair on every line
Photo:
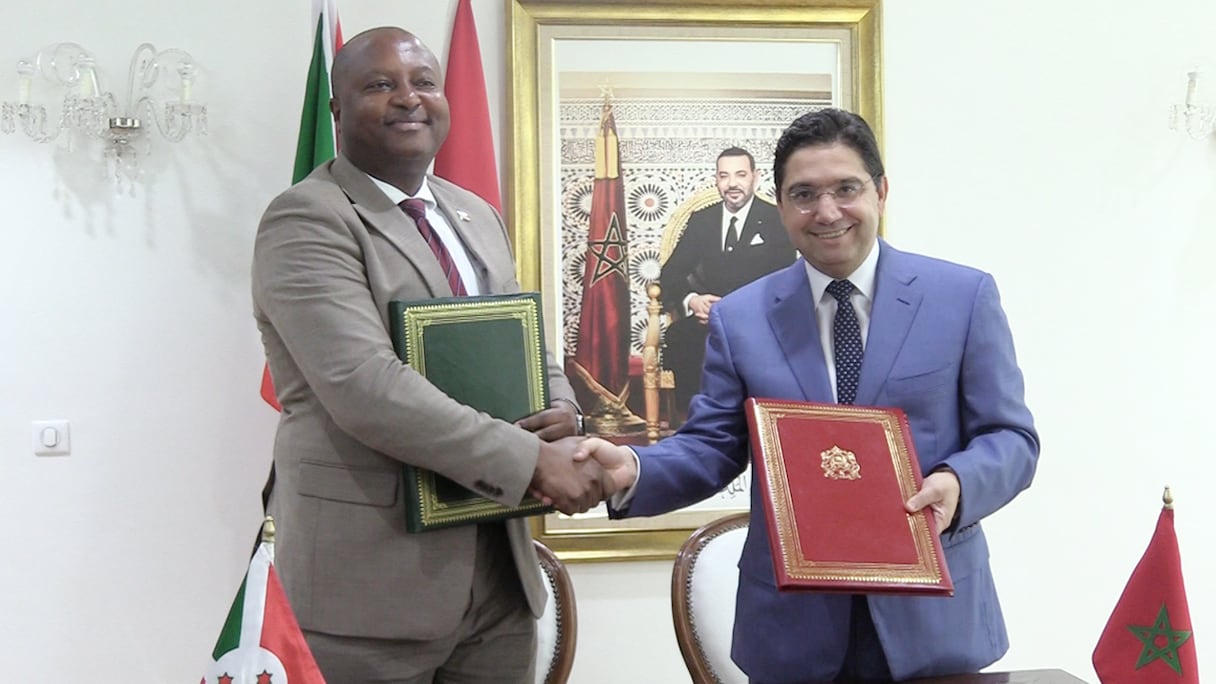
1148, 639
261, 642
317, 143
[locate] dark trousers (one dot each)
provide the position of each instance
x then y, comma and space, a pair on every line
684, 355
864, 660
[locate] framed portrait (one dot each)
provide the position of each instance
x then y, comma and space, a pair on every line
620, 112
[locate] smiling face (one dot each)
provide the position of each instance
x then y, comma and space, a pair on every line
835, 238
389, 105
736, 180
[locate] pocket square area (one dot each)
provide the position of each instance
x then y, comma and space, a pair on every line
756, 240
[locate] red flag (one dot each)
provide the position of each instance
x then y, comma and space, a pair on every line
467, 156
1148, 638
268, 394
602, 354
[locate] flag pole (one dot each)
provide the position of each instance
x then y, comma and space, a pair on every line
1168, 499
268, 530
268, 536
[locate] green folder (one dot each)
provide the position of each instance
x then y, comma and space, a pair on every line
487, 352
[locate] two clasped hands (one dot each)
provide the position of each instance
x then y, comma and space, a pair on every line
575, 473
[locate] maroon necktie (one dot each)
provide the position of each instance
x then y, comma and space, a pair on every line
416, 209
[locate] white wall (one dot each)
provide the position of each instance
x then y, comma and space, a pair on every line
1028, 138
1031, 139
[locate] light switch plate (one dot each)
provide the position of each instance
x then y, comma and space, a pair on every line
52, 438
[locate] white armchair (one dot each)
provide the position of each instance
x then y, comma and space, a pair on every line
703, 585
557, 629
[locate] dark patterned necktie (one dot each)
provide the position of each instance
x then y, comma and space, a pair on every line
416, 209
732, 236
846, 342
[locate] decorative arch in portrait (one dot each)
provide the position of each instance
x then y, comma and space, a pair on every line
620, 112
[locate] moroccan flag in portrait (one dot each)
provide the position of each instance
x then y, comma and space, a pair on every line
1148, 638
602, 355
261, 642
316, 143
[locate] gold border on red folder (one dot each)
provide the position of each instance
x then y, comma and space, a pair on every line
797, 566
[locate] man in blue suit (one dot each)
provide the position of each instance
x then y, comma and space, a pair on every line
934, 342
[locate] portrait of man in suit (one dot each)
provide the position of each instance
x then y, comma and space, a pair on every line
724, 246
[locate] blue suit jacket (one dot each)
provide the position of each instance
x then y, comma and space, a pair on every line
938, 347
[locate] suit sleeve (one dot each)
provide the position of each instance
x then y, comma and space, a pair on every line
310, 282
710, 450
674, 278
1000, 447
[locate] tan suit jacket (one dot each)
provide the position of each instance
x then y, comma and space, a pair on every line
330, 254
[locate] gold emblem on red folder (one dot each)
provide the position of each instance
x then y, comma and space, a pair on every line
839, 464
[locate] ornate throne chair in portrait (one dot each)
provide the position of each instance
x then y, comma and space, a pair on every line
658, 382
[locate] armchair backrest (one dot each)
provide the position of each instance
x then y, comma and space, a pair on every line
703, 585
557, 628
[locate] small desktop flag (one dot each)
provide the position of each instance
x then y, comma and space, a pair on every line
1148, 638
261, 642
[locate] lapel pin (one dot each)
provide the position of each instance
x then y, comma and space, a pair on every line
463, 215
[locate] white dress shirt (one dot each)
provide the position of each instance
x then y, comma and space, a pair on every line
441, 227
740, 218
825, 305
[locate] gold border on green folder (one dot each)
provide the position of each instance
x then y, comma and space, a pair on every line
416, 319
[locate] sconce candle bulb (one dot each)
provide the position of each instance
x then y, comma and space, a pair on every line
25, 71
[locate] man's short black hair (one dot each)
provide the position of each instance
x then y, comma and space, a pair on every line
737, 152
826, 127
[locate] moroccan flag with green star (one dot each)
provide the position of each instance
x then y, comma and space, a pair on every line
261, 642
602, 355
316, 143
1148, 638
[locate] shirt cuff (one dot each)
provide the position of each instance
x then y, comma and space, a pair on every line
621, 500
688, 309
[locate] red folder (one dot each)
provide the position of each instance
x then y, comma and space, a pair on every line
834, 479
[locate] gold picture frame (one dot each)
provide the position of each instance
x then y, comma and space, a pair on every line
540, 34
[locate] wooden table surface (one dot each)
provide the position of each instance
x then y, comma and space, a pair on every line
1023, 677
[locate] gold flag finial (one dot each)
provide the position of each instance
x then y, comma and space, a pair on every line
268, 530
1168, 499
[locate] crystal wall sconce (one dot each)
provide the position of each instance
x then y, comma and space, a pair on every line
158, 101
1190, 116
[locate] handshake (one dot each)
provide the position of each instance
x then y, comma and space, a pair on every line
574, 474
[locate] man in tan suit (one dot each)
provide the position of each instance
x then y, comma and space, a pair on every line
376, 603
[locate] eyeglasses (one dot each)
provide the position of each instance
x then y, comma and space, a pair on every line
806, 198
